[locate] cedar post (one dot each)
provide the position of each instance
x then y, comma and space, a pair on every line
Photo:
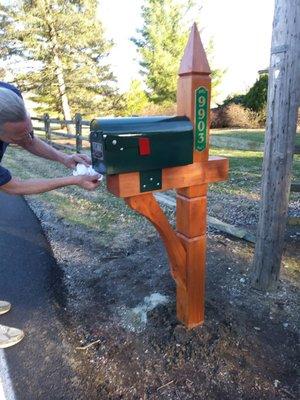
193, 100
283, 103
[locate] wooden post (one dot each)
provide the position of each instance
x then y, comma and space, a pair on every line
283, 103
78, 127
47, 127
193, 100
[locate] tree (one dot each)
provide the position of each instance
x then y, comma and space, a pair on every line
256, 98
234, 99
7, 47
135, 100
66, 44
161, 44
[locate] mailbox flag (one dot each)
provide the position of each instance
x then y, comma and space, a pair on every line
144, 146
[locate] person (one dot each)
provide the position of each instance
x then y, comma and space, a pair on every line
16, 128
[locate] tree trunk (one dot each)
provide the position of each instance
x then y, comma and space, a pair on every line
58, 64
283, 103
62, 87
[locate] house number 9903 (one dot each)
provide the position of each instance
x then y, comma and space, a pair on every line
201, 113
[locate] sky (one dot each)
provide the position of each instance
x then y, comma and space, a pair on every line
240, 29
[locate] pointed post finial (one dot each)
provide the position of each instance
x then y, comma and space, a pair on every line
194, 92
194, 60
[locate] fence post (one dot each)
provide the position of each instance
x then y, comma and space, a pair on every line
78, 126
47, 127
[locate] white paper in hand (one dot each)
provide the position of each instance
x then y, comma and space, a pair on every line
81, 169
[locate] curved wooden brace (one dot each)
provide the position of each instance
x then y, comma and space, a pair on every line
147, 206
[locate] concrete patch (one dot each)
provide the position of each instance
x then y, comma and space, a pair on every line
135, 319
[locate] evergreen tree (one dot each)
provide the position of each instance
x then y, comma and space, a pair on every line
7, 47
256, 98
160, 46
67, 45
161, 43
135, 100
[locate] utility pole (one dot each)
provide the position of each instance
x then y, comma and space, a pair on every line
283, 103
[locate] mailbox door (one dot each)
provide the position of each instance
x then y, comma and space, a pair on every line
147, 152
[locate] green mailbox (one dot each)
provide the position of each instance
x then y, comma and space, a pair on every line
145, 145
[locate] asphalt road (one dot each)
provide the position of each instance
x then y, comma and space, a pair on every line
43, 365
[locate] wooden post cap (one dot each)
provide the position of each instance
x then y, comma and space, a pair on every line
194, 60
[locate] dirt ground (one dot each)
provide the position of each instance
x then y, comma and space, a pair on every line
117, 303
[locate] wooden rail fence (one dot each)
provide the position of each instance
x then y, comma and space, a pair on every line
57, 131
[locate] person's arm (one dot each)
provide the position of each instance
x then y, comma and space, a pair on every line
35, 186
39, 148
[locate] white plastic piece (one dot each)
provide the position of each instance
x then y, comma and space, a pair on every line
81, 169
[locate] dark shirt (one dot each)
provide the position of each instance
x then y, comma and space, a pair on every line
11, 87
5, 175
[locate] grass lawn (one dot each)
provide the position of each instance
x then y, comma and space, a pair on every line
247, 134
256, 135
246, 166
245, 172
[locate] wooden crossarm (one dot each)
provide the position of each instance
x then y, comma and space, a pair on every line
213, 170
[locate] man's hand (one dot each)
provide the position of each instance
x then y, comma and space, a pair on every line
70, 161
88, 182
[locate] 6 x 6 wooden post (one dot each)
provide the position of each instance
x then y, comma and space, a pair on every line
193, 100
